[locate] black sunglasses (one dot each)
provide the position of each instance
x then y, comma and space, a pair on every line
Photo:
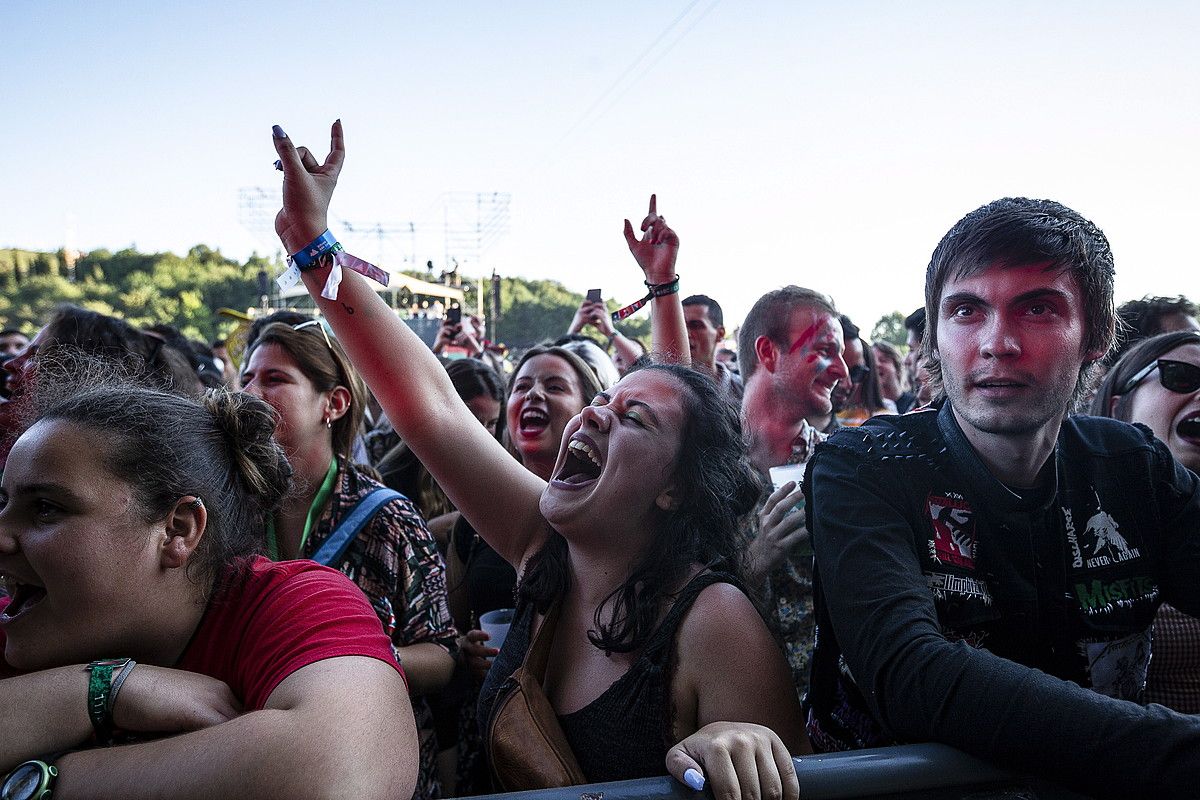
1176, 376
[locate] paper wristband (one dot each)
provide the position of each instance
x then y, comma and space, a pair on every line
291, 276
656, 290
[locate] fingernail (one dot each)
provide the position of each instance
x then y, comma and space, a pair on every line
278, 131
279, 165
694, 779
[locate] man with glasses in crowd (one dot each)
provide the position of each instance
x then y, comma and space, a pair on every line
987, 570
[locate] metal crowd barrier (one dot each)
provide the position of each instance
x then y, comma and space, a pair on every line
904, 771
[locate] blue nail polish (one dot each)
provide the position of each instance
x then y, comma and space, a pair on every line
279, 165
694, 779
278, 131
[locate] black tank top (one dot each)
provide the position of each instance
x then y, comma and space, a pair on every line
626, 731
490, 581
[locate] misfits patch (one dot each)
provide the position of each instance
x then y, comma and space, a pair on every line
1105, 597
953, 529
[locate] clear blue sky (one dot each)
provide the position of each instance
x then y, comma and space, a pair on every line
828, 146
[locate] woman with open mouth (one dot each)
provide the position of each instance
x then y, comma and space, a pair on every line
135, 608
626, 558
1157, 383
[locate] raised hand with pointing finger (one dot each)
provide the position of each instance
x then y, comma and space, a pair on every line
658, 248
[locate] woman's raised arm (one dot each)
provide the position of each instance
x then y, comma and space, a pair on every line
405, 376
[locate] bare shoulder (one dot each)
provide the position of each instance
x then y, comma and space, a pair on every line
722, 613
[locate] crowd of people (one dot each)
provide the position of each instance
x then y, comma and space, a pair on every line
267, 578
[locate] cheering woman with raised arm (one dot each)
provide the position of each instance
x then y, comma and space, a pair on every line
626, 557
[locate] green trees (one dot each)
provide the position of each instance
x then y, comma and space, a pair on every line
890, 328
143, 288
186, 291
536, 310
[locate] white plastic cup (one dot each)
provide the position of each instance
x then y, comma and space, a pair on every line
781, 475
787, 472
496, 624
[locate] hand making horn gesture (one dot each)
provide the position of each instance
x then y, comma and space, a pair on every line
307, 187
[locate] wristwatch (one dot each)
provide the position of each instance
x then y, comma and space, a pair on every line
31, 780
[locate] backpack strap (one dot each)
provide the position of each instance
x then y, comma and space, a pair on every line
332, 550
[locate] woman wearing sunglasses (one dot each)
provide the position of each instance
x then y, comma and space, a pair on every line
339, 516
1157, 383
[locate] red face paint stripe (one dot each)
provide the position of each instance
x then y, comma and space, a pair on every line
807, 336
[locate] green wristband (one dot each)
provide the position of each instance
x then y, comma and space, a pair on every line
99, 686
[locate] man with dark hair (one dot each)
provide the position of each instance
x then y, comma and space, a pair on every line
987, 570
790, 348
705, 330
1150, 316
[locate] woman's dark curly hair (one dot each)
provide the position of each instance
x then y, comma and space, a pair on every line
719, 489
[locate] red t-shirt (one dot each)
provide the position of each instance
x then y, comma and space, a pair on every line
282, 616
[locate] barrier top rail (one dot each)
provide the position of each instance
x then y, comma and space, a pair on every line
904, 771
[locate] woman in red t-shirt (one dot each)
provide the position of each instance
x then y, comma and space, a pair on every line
129, 524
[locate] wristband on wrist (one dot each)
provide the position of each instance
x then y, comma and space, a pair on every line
310, 256
326, 251
656, 290
99, 707
117, 683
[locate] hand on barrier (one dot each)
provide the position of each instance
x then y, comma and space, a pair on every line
737, 760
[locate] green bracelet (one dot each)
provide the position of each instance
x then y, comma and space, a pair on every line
99, 687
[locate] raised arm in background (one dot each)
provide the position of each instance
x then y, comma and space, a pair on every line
656, 253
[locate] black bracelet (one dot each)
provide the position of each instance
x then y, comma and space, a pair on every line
116, 687
656, 290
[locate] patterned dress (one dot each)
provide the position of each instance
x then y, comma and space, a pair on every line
788, 593
395, 561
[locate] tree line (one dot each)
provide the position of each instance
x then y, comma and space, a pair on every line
187, 291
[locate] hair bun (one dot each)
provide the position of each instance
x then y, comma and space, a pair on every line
248, 427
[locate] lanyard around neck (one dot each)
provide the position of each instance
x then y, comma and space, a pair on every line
314, 511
